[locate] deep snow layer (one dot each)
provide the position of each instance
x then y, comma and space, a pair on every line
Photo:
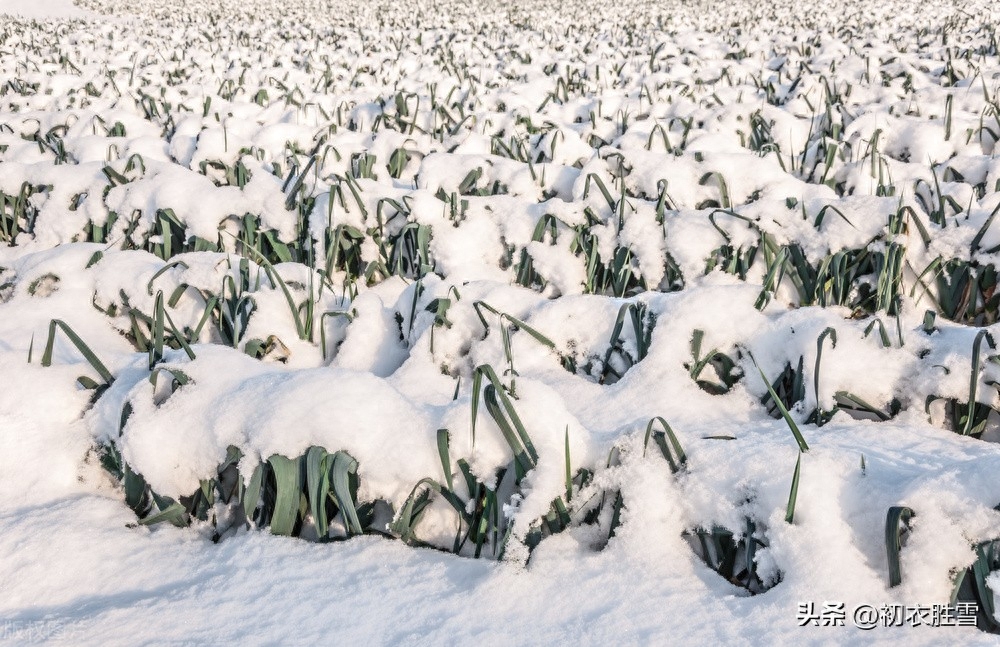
75, 563
77, 568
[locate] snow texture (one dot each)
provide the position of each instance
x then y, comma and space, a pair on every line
462, 154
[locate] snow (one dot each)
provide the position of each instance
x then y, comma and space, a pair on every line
42, 9
485, 157
104, 580
151, 578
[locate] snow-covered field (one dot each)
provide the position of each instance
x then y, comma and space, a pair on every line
576, 322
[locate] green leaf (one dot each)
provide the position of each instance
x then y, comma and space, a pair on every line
832, 334
974, 247
542, 339
136, 492
793, 494
893, 540
524, 461
974, 380
156, 347
677, 458
88, 354
803, 446
443, 452
341, 470
302, 327
176, 375
569, 473
173, 513
288, 485
251, 496
854, 402
318, 487
409, 514
499, 392
161, 271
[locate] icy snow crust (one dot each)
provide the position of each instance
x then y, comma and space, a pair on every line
491, 130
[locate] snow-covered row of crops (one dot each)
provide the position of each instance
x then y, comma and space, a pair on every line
717, 283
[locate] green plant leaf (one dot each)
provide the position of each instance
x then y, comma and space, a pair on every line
288, 486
